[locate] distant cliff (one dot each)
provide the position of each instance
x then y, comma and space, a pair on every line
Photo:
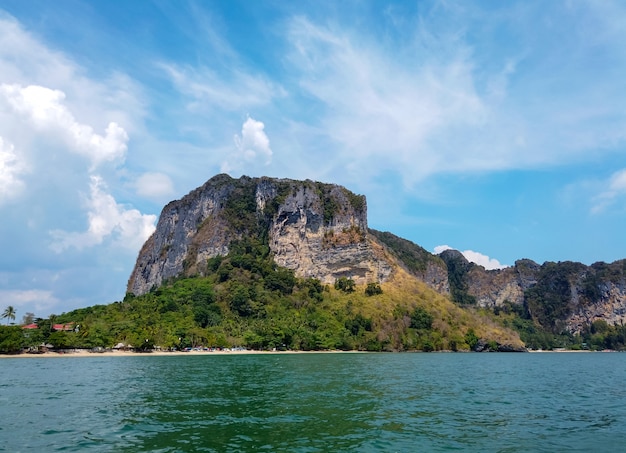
317, 230
558, 296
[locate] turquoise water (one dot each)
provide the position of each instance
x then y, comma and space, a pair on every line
315, 403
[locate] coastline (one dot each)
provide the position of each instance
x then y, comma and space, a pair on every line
85, 353
117, 353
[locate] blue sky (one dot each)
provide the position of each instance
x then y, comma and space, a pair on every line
496, 128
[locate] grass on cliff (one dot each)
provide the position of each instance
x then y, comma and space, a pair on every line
451, 323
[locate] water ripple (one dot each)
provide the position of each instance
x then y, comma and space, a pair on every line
315, 403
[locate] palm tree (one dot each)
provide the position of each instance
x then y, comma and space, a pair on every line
9, 314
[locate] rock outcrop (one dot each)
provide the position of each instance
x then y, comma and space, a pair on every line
317, 230
320, 231
559, 296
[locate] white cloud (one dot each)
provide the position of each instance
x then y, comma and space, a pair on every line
60, 123
46, 110
234, 91
128, 227
11, 167
440, 101
253, 147
483, 260
618, 181
441, 248
385, 112
474, 257
155, 186
22, 57
37, 299
25, 60
612, 190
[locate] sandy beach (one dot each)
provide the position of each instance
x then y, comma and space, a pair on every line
115, 353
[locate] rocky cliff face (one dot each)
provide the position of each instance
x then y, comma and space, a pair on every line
559, 296
318, 230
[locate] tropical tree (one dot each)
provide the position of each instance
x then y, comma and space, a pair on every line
9, 314
11, 339
28, 318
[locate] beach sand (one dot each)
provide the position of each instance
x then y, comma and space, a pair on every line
114, 353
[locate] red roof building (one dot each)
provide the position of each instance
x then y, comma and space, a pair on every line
68, 327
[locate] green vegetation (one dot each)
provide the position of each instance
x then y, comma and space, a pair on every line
330, 205
414, 257
282, 190
547, 301
11, 339
245, 299
356, 201
372, 289
531, 332
600, 335
240, 207
471, 338
9, 314
421, 319
596, 336
345, 284
458, 267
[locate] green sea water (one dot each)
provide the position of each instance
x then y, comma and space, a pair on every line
315, 403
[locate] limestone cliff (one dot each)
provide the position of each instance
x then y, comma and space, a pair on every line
317, 230
320, 231
558, 296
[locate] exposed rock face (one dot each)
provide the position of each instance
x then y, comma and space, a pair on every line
320, 231
560, 296
317, 230
182, 234
303, 240
489, 288
598, 292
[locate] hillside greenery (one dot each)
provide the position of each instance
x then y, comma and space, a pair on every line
596, 336
246, 300
540, 321
547, 302
414, 257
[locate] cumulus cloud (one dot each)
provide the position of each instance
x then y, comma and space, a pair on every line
441, 248
23, 57
128, 227
45, 108
474, 257
253, 147
59, 126
155, 186
11, 167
